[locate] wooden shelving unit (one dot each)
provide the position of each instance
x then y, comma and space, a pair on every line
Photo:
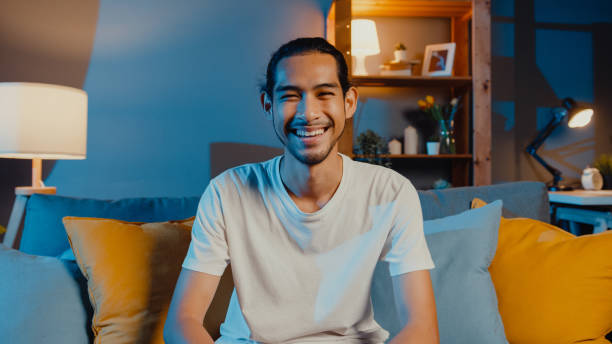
418, 156
470, 30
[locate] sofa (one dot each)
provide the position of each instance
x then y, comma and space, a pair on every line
44, 296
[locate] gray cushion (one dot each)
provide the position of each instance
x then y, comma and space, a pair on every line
462, 247
44, 234
41, 300
521, 199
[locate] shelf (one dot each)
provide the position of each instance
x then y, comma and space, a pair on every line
411, 8
418, 156
412, 81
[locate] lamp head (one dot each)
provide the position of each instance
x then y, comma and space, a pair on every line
364, 38
578, 116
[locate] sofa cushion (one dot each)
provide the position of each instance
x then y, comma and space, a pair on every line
131, 271
565, 286
44, 233
563, 282
40, 300
462, 247
446, 202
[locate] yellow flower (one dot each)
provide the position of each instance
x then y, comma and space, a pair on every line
2, 229
430, 100
422, 104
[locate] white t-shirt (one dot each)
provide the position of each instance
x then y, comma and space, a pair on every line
305, 277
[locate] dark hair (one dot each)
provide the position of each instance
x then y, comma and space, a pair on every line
301, 46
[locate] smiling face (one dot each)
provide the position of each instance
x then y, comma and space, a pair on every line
308, 109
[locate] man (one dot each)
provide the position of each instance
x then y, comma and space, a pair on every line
305, 230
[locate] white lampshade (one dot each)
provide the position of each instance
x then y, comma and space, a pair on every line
364, 38
40, 121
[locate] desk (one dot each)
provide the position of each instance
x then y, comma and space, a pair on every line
582, 206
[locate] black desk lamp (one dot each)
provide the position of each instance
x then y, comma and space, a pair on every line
578, 117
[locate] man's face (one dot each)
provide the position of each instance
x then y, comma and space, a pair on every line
308, 108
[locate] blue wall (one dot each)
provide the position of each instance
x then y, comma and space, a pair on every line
166, 79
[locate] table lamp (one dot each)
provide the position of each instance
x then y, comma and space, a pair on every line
364, 42
577, 117
40, 121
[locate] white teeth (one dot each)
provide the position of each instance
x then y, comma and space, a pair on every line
305, 133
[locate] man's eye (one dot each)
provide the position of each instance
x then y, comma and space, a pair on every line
288, 96
323, 94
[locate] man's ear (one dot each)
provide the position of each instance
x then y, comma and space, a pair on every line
350, 102
266, 104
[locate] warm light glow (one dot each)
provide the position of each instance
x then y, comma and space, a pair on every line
581, 119
364, 38
42, 121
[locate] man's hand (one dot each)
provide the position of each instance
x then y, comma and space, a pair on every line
416, 307
193, 294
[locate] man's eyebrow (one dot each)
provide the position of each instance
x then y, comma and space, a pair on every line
327, 85
284, 88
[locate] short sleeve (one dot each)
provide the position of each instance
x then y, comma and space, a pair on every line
405, 248
208, 251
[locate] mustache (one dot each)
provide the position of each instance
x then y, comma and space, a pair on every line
300, 123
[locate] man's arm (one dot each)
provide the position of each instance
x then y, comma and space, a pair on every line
193, 294
416, 307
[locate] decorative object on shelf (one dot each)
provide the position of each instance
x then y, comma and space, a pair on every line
433, 145
370, 146
591, 179
39, 121
439, 59
411, 140
395, 146
604, 165
364, 42
441, 184
399, 66
445, 116
577, 117
400, 53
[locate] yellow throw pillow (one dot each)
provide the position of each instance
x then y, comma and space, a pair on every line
131, 270
552, 287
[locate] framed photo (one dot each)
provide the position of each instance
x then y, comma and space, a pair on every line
439, 59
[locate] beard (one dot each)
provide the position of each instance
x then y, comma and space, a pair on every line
316, 157
312, 158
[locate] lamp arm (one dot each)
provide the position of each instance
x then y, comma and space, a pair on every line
533, 147
545, 133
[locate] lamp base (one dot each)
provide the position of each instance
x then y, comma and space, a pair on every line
30, 190
560, 188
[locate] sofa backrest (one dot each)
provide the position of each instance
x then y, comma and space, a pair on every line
44, 233
521, 199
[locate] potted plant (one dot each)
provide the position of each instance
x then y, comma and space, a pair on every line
433, 145
370, 146
400, 52
604, 165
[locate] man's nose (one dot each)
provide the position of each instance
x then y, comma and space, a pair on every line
308, 108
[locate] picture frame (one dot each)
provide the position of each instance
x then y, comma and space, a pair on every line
439, 59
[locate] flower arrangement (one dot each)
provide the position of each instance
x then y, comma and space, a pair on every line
439, 112
445, 116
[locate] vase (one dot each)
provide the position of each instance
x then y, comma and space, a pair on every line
447, 136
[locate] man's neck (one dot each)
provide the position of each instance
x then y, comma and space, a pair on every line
311, 186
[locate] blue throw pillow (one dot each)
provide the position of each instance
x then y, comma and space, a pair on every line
42, 300
462, 247
44, 233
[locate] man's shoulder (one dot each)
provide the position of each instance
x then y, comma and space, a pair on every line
377, 173
245, 174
